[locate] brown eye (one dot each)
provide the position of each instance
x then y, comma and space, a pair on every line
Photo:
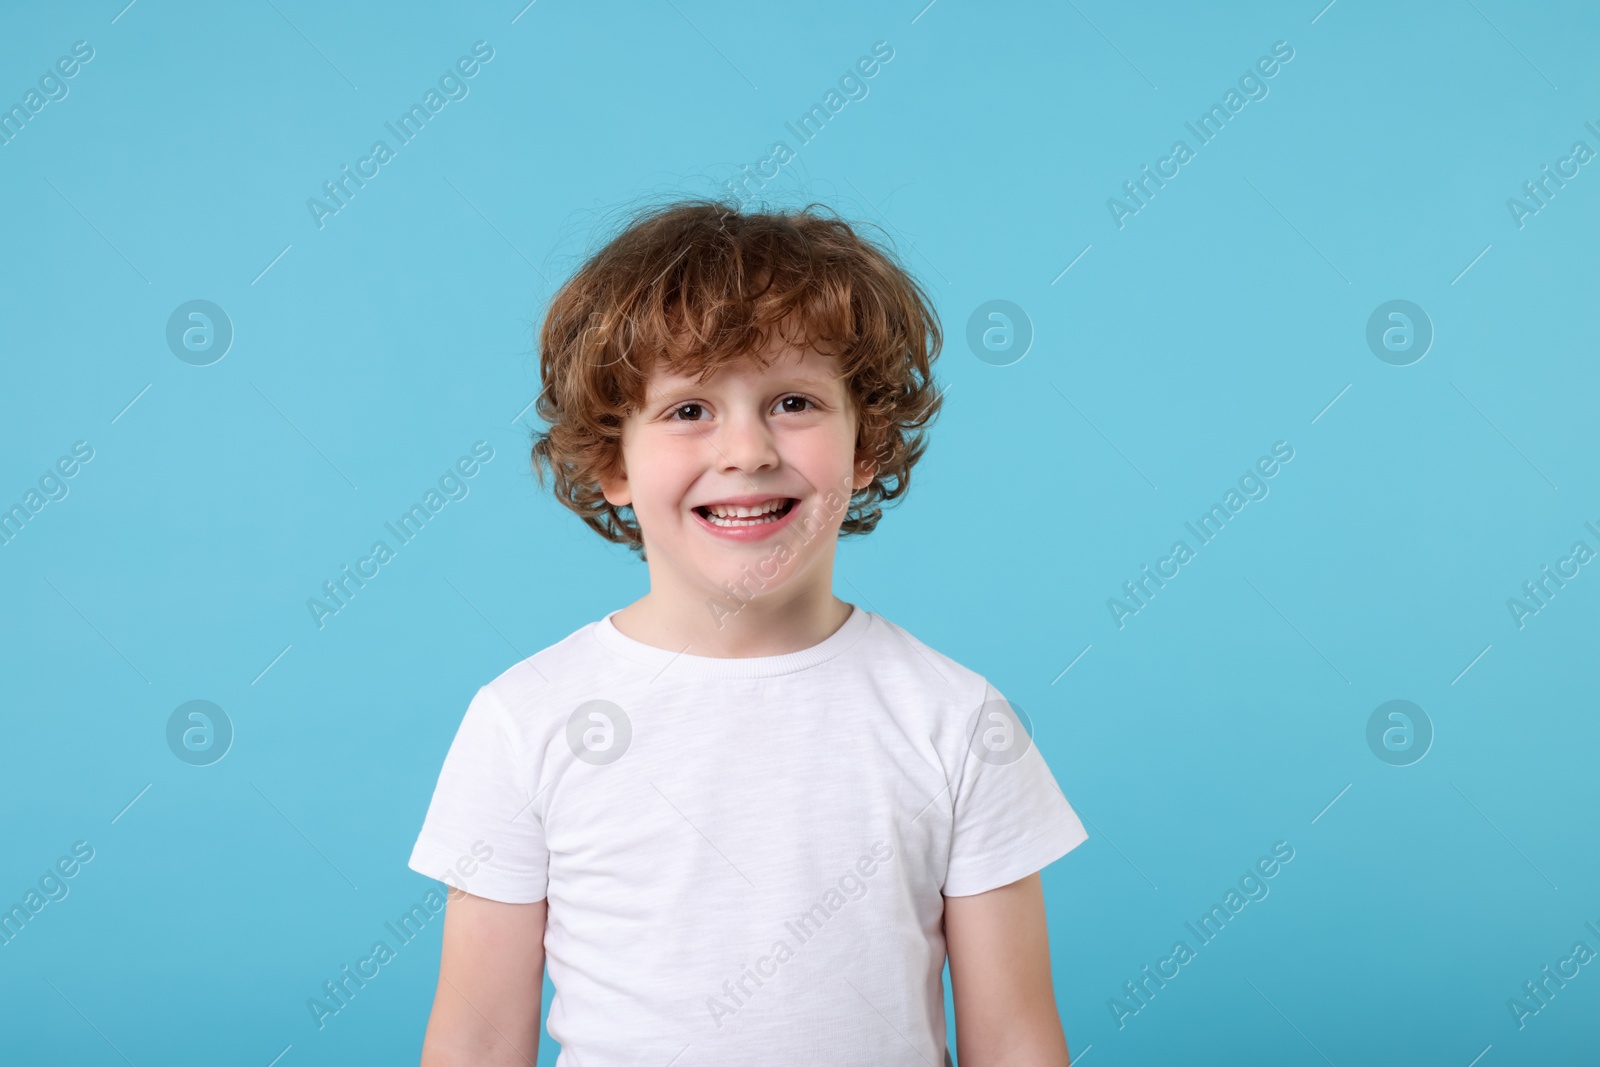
799, 399
685, 407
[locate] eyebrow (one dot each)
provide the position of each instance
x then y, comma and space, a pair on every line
690, 386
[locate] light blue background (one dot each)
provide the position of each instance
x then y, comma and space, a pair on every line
1223, 317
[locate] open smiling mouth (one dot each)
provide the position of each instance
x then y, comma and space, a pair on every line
734, 518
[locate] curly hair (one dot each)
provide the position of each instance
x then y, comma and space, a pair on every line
701, 285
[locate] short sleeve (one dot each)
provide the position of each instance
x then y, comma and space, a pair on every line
483, 833
1010, 817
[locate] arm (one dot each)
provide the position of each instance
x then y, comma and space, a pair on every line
491, 978
1000, 978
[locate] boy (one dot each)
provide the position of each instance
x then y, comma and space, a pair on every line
742, 820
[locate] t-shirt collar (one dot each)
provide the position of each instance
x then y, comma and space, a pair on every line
685, 664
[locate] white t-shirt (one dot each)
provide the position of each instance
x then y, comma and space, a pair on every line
746, 858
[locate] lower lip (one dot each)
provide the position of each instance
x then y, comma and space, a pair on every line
756, 532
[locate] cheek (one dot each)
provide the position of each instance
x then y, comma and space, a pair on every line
829, 444
662, 475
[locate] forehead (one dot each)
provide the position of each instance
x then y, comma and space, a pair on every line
779, 363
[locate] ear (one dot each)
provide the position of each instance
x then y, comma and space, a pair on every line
615, 488
867, 456
865, 471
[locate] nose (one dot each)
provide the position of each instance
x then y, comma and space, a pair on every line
746, 443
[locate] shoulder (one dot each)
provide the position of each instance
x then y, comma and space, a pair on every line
895, 647
542, 680
937, 695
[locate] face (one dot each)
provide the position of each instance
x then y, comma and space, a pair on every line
744, 478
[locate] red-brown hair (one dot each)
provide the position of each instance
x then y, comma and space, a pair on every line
700, 285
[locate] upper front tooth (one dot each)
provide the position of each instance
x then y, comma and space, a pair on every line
740, 512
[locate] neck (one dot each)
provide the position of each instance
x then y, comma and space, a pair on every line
770, 624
